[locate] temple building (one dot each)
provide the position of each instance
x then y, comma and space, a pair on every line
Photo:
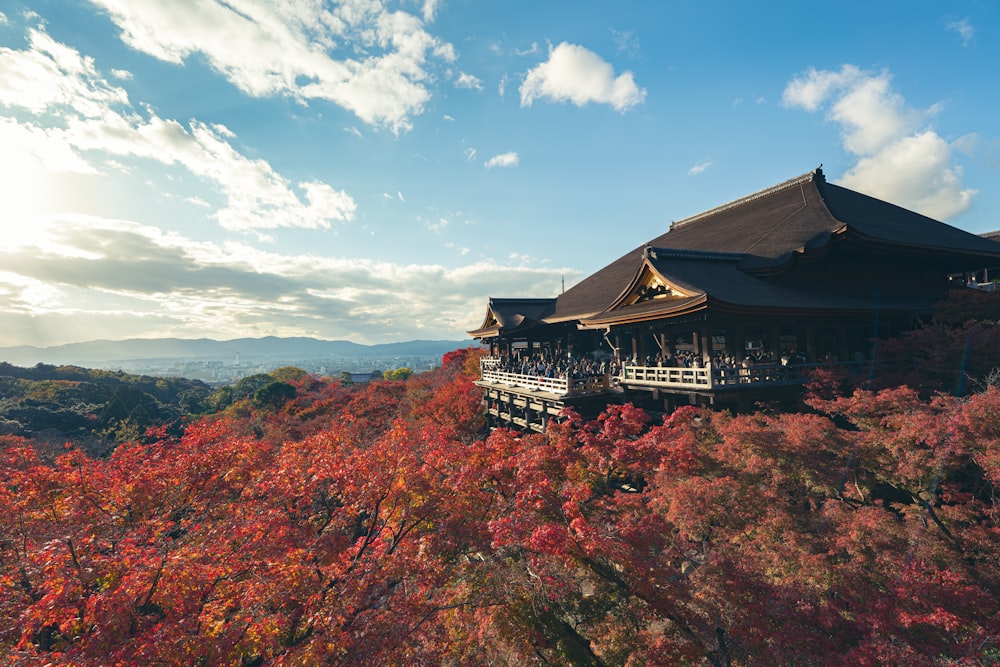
729, 307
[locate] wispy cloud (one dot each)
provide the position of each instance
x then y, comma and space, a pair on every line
464, 80
964, 29
575, 74
698, 168
430, 9
503, 160
626, 41
899, 157
83, 121
107, 273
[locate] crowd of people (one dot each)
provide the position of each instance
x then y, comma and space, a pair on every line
563, 365
547, 364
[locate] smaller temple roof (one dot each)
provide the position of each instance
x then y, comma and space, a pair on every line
506, 316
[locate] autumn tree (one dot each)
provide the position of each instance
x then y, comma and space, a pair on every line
379, 524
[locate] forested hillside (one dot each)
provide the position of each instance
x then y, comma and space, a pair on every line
93, 408
378, 525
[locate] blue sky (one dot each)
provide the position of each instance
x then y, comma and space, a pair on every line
373, 171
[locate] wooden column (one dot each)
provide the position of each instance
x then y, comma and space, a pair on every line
706, 342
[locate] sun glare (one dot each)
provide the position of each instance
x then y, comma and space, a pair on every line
22, 192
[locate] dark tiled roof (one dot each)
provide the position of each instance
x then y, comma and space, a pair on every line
507, 315
880, 221
724, 285
767, 230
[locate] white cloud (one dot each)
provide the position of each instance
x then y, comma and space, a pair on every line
503, 160
168, 284
698, 168
430, 9
52, 76
575, 74
465, 80
915, 172
82, 119
470, 154
359, 55
899, 157
964, 29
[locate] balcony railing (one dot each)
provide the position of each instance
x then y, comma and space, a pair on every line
690, 379
552, 385
718, 378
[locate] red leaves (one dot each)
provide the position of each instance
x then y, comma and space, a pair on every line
371, 526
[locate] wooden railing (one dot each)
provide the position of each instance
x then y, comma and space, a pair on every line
553, 385
703, 379
489, 362
720, 378
667, 376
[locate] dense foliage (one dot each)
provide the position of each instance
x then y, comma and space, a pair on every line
93, 408
375, 524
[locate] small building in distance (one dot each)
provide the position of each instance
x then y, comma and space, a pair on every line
729, 307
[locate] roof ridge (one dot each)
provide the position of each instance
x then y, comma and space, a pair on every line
656, 252
816, 174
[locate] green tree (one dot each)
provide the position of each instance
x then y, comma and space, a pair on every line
246, 386
398, 374
288, 374
274, 395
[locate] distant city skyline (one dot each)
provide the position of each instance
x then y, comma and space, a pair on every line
373, 171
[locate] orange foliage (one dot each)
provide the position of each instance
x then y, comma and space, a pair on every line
379, 525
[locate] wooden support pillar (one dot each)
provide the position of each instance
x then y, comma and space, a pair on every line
811, 342
706, 342
774, 333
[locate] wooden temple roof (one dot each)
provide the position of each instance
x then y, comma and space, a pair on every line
722, 258
506, 316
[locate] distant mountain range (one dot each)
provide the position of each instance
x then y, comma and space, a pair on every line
134, 349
